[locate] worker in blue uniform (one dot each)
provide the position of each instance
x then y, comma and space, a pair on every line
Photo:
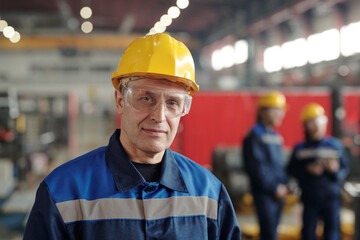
263, 161
136, 187
320, 165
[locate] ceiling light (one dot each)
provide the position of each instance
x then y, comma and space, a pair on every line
85, 12
9, 31
152, 31
3, 24
86, 27
272, 59
324, 46
159, 28
174, 12
350, 37
241, 48
165, 20
16, 38
182, 4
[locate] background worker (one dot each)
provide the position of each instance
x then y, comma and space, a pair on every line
263, 159
136, 187
320, 165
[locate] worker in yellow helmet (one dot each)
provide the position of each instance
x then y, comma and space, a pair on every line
136, 187
320, 166
264, 164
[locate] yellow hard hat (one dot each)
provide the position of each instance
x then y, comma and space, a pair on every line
312, 110
157, 56
272, 99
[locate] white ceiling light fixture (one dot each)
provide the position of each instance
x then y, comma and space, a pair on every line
241, 48
86, 12
350, 37
174, 12
3, 24
216, 62
324, 46
228, 56
182, 4
87, 27
152, 31
294, 53
9, 32
272, 59
16, 38
159, 28
165, 20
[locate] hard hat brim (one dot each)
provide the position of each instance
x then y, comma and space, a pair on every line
191, 86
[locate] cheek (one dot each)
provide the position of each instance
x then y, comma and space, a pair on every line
323, 129
174, 124
130, 119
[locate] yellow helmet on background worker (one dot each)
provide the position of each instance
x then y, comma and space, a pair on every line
272, 99
157, 56
311, 111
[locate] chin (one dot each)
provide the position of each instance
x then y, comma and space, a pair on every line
155, 148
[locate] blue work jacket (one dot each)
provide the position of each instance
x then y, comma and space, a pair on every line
263, 160
101, 195
317, 189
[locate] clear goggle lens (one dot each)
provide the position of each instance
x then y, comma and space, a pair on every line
147, 100
277, 111
321, 120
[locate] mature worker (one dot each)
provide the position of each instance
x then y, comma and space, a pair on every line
136, 187
320, 165
264, 164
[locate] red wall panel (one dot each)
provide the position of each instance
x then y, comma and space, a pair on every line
351, 104
224, 118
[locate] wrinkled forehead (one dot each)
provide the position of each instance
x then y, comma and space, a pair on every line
157, 84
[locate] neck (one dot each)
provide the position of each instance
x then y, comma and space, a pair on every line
137, 155
147, 158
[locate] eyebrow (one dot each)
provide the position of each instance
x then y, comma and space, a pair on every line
143, 90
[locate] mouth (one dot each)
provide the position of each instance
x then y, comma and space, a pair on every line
154, 131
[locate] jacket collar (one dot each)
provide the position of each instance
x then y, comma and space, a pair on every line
127, 177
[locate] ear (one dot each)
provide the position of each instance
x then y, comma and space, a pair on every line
119, 101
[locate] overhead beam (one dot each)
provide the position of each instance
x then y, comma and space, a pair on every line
81, 42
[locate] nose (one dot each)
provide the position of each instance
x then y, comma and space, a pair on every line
159, 113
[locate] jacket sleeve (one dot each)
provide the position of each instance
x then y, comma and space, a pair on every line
257, 166
44, 220
295, 168
228, 225
343, 171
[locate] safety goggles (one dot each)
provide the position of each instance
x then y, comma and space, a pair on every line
318, 121
276, 111
147, 100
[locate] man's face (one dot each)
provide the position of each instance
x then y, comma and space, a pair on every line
148, 122
272, 116
316, 127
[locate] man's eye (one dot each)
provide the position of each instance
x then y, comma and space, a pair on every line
173, 103
147, 99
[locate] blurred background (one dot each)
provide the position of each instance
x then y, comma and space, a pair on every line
56, 97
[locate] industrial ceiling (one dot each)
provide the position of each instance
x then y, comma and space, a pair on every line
201, 19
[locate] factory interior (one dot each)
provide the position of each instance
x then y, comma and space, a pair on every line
57, 99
